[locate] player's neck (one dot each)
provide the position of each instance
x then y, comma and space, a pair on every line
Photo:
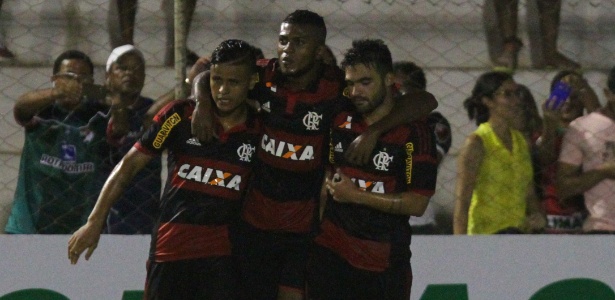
233, 118
303, 81
380, 112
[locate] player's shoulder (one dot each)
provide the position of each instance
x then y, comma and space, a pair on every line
177, 109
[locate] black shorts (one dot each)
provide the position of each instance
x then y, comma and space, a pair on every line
205, 278
270, 261
331, 277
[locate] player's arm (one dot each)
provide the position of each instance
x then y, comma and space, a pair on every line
201, 65
412, 106
468, 164
343, 190
203, 115
88, 235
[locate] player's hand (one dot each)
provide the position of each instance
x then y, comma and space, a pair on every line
202, 123
362, 147
85, 238
341, 187
201, 65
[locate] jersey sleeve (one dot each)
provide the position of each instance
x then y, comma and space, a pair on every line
164, 129
421, 159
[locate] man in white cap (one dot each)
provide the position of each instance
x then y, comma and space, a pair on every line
135, 212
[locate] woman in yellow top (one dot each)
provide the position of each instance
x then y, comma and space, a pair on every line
494, 191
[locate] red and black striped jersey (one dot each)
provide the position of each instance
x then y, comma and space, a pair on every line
293, 148
205, 183
404, 160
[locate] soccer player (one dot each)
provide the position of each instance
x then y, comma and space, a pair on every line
361, 251
299, 95
191, 252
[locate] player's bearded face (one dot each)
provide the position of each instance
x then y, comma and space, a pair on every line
298, 49
366, 88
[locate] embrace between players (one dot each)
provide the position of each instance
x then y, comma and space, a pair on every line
251, 208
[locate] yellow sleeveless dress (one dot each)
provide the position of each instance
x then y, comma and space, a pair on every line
499, 197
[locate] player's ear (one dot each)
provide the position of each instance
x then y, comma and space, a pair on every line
320, 52
389, 79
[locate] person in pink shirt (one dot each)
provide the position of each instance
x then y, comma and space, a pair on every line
587, 163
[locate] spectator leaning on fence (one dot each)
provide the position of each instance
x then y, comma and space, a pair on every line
63, 150
137, 209
587, 163
494, 191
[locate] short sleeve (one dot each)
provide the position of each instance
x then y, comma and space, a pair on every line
164, 129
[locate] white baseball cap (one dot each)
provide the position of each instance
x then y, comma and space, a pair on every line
119, 51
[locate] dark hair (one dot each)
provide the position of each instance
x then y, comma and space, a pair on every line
530, 110
370, 53
610, 82
485, 86
72, 54
415, 75
562, 74
306, 17
235, 52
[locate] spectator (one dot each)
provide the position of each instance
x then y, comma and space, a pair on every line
361, 251
63, 150
4, 51
298, 95
127, 12
137, 209
494, 191
190, 256
409, 75
506, 12
587, 163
